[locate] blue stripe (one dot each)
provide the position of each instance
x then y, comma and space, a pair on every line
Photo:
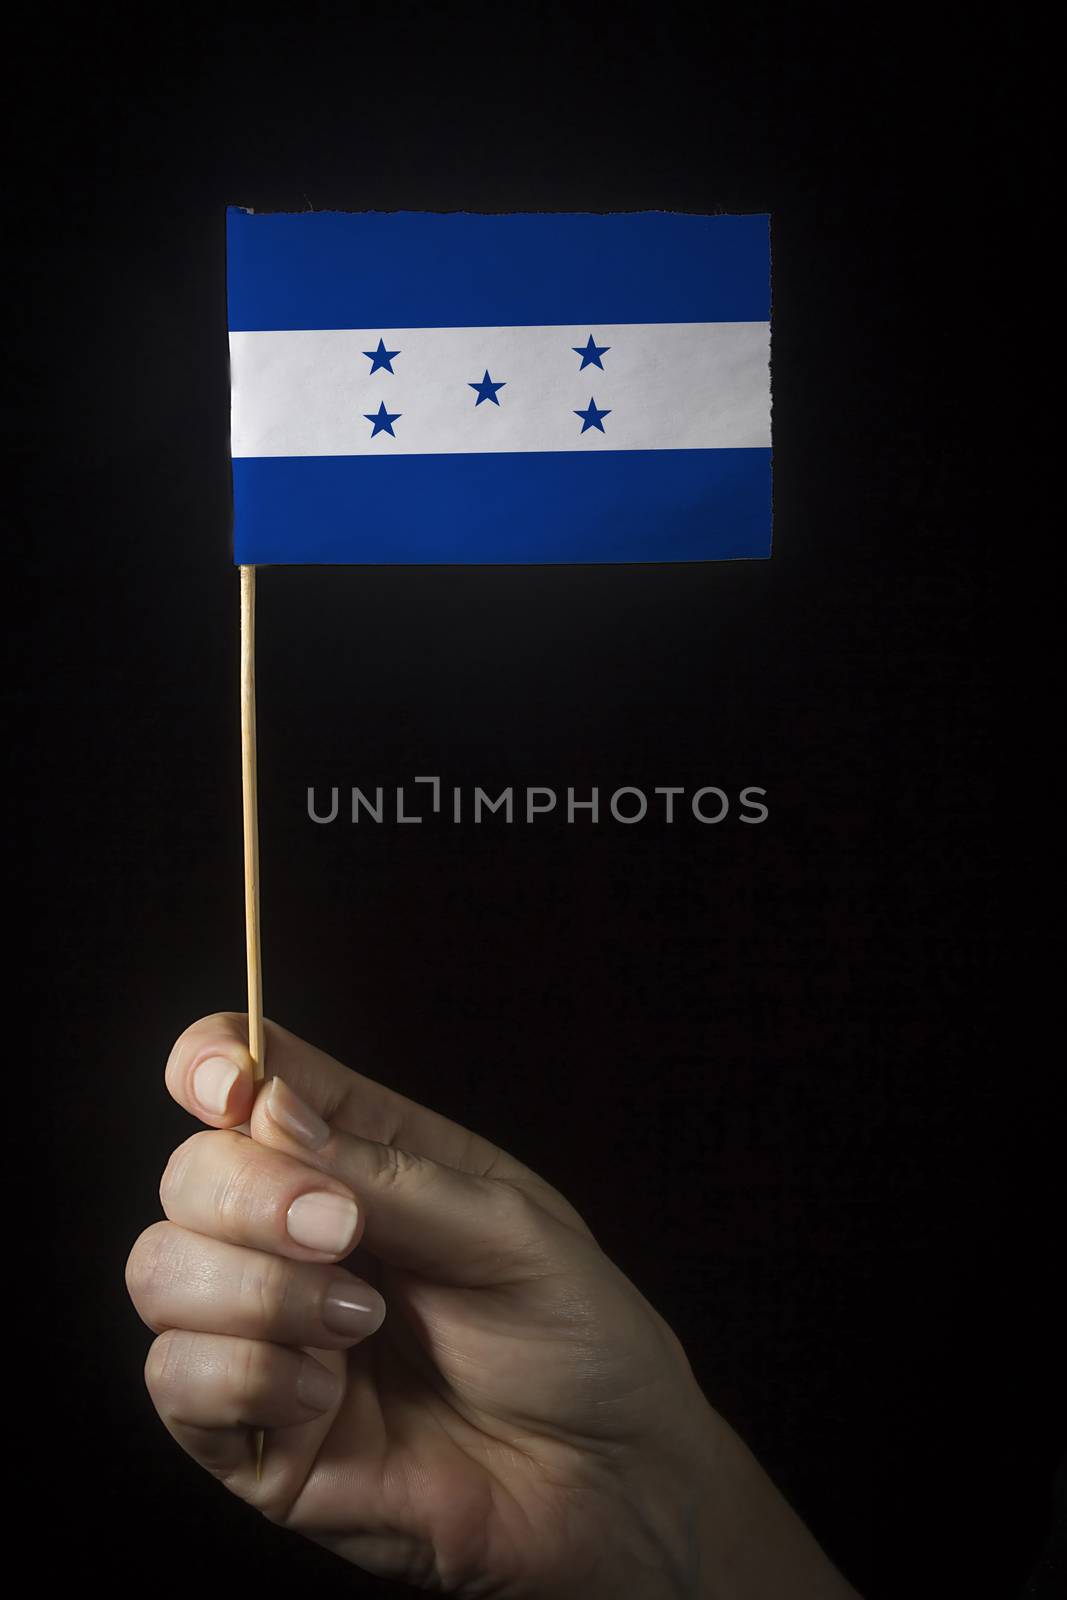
412, 269
620, 506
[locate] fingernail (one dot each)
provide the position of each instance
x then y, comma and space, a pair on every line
321, 1221
212, 1081
295, 1117
353, 1310
317, 1388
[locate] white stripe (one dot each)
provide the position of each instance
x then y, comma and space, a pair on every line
668, 386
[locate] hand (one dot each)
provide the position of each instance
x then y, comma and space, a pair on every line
477, 1401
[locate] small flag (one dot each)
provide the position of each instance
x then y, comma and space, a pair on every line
422, 387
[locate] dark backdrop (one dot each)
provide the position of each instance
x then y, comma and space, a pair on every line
767, 1063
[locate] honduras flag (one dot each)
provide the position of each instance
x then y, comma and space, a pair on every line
457, 388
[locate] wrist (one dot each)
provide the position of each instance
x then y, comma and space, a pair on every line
647, 1515
703, 1521
750, 1543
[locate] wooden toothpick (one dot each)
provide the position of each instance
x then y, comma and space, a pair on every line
256, 1042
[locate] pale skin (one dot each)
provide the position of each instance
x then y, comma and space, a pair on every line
459, 1389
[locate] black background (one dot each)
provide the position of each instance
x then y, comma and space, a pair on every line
782, 1070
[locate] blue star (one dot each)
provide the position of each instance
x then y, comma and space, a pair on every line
486, 390
381, 358
383, 420
591, 416
590, 354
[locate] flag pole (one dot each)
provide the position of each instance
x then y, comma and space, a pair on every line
250, 812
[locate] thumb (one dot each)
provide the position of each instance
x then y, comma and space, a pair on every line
450, 1226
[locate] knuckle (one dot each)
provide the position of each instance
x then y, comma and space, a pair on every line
515, 1210
168, 1183
236, 1195
377, 1119
516, 1216
398, 1169
178, 1050
176, 1168
268, 1289
143, 1261
164, 1370
251, 1374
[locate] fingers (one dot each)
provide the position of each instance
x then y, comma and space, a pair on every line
210, 1389
182, 1280
210, 1073
225, 1186
287, 1193
452, 1227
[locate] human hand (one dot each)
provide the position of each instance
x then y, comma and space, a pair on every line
522, 1424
